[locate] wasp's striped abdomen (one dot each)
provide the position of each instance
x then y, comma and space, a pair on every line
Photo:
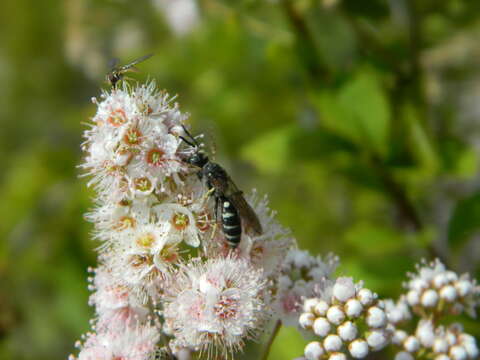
231, 223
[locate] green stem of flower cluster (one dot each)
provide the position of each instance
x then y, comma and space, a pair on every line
274, 334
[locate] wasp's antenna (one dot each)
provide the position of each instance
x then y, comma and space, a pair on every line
193, 140
188, 142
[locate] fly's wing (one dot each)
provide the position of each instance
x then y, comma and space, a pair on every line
135, 62
112, 64
244, 209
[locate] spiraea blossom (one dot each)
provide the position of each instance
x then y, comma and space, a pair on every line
214, 305
167, 280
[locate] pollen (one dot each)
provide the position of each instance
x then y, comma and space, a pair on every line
138, 260
180, 221
155, 157
145, 240
226, 308
142, 184
125, 222
132, 136
117, 118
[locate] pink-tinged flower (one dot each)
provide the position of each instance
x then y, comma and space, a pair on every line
301, 274
115, 303
135, 343
214, 306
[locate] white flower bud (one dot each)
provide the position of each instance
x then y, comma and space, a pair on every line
313, 350
451, 338
332, 343
344, 289
358, 349
403, 355
458, 352
347, 331
471, 348
321, 327
337, 356
399, 337
442, 357
464, 287
440, 280
377, 339
451, 276
309, 305
449, 293
425, 333
321, 308
353, 308
411, 344
418, 284
440, 345
376, 317
429, 298
306, 320
335, 315
413, 298
366, 297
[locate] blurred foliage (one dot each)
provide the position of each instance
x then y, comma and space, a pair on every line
358, 118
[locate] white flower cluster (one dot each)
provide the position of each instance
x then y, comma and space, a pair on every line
434, 289
348, 318
167, 281
432, 293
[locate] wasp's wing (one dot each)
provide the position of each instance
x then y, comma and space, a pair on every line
136, 61
244, 209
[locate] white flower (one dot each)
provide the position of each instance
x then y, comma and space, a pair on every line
214, 304
344, 289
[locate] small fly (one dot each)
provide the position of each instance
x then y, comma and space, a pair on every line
116, 72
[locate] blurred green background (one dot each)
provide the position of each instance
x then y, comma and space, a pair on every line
360, 119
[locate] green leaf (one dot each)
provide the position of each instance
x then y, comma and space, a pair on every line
358, 111
464, 222
270, 153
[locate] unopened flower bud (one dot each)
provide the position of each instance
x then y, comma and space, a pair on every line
358, 349
377, 339
335, 315
464, 287
321, 327
429, 298
321, 308
449, 293
344, 289
353, 308
366, 296
332, 343
306, 320
376, 317
347, 331
403, 355
313, 350
337, 356
413, 298
399, 337
440, 345
458, 352
411, 344
309, 305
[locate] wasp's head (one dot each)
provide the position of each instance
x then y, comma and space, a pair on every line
197, 158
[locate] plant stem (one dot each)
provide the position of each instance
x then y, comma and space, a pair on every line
276, 329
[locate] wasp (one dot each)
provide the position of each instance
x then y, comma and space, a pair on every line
117, 72
229, 200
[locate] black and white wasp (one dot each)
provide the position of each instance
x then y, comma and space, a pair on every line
117, 72
229, 200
